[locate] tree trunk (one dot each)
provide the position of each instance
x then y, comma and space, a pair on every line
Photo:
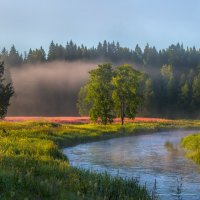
122, 113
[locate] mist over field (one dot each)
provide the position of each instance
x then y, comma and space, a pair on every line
169, 84
49, 89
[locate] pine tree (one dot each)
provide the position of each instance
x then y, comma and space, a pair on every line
52, 52
14, 59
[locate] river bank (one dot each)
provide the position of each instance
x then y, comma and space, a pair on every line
34, 167
155, 159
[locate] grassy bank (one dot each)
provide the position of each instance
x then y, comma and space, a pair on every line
191, 144
32, 165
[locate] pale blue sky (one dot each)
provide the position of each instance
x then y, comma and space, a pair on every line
32, 23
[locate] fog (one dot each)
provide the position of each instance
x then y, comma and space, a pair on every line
48, 89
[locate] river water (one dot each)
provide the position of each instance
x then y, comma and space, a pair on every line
154, 159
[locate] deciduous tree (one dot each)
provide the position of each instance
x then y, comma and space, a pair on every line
125, 94
98, 94
6, 92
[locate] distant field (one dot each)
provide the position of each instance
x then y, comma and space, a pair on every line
77, 120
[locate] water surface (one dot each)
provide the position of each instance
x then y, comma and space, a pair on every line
147, 157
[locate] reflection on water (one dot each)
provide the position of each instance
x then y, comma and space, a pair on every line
171, 148
155, 159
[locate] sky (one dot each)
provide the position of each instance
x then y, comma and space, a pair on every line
34, 23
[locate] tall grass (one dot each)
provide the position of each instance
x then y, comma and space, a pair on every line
32, 165
191, 143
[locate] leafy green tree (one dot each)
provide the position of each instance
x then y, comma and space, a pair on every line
125, 94
6, 92
98, 94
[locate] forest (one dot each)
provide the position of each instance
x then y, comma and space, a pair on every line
170, 85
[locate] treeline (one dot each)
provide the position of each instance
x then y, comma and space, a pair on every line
170, 86
175, 55
171, 94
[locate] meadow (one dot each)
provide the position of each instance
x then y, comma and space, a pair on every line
33, 166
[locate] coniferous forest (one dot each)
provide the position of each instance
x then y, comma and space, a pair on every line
170, 85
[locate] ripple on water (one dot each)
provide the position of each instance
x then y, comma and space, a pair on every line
147, 157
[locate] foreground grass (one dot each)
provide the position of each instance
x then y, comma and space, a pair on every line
32, 165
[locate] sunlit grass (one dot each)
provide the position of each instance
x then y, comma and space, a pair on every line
191, 143
32, 165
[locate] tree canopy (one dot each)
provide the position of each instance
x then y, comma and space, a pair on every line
170, 88
125, 92
110, 92
6, 92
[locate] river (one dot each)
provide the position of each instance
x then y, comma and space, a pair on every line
155, 159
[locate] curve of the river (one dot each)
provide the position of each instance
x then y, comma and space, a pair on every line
147, 157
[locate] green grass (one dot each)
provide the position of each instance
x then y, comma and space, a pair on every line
191, 144
32, 165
